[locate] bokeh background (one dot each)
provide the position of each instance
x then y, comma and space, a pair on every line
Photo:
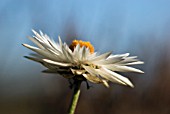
140, 27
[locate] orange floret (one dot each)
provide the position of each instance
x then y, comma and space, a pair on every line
82, 43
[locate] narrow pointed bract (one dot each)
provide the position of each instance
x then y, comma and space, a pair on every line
80, 61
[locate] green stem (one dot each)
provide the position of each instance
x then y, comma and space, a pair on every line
75, 97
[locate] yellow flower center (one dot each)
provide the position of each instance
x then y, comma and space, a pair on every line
82, 43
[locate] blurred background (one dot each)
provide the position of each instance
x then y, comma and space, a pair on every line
140, 27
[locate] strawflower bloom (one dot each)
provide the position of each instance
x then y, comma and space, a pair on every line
79, 61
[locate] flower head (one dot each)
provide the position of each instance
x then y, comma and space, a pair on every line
82, 43
79, 61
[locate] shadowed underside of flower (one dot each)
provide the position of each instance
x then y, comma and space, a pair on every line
79, 61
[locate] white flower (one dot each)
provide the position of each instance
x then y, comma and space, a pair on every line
79, 61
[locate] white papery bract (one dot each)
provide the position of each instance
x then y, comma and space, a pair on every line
80, 62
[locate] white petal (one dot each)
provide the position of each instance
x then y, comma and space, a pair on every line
108, 61
88, 52
57, 63
122, 68
111, 59
36, 42
91, 56
76, 49
34, 59
114, 60
119, 55
68, 57
105, 83
114, 77
76, 52
38, 35
100, 57
80, 53
42, 52
134, 63
83, 53
92, 78
60, 41
109, 77
90, 70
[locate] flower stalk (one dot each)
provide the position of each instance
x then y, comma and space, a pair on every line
75, 96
